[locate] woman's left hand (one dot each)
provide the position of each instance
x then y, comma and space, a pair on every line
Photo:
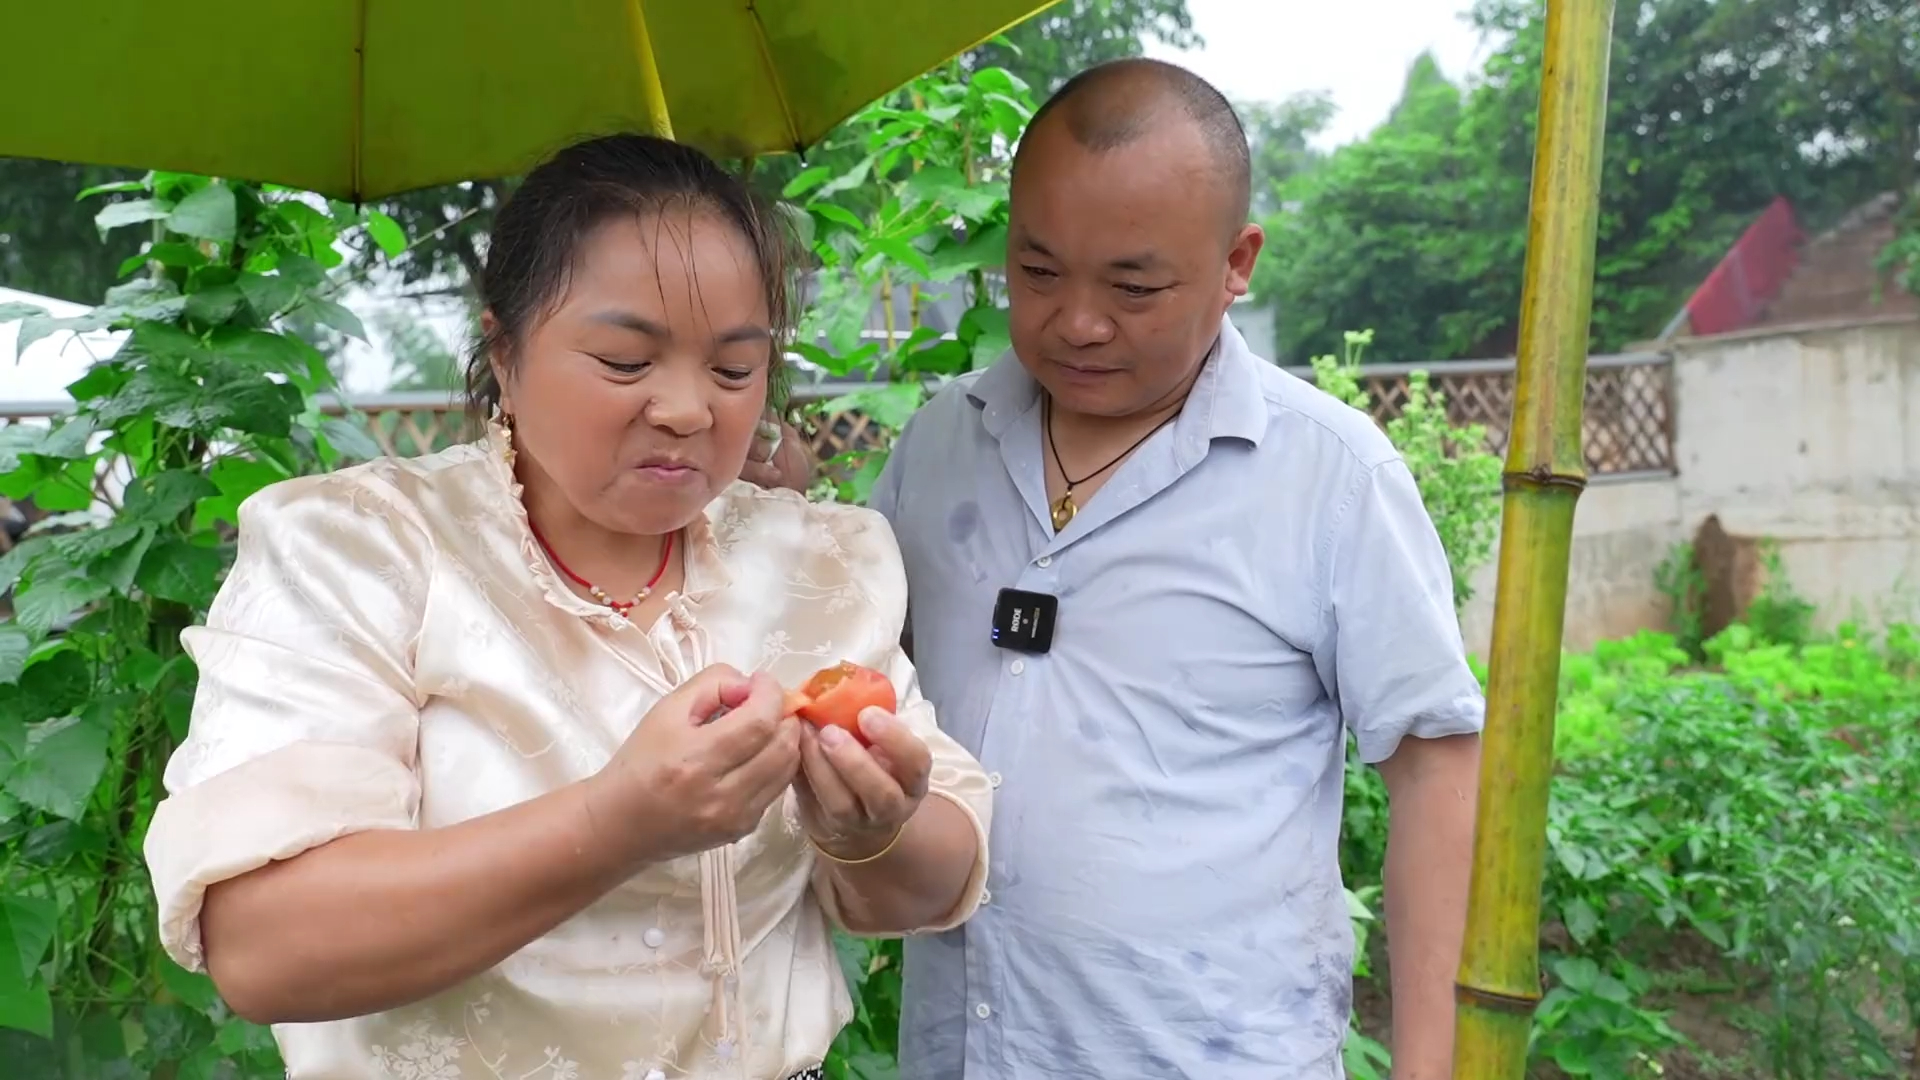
855, 800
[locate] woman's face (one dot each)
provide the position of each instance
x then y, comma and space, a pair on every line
636, 399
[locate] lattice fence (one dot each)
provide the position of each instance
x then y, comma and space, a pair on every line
1628, 424
1629, 412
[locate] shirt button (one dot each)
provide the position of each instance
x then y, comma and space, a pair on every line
986, 897
994, 779
1044, 561
1018, 666
654, 937
982, 1011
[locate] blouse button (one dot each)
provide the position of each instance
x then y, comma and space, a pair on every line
654, 937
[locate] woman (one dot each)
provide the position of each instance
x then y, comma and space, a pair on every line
475, 785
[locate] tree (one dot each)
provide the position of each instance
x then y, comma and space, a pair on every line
48, 242
1278, 136
1410, 231
1713, 110
1074, 35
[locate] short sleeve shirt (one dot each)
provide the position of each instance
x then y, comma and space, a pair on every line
1257, 581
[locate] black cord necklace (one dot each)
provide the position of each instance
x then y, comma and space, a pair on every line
1064, 508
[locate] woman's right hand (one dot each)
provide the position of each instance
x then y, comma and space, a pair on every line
687, 779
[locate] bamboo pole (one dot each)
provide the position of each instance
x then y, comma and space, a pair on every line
653, 96
1498, 987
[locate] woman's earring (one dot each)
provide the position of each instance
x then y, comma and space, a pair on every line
507, 452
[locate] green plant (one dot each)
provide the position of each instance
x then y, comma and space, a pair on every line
1459, 480
1591, 1022
868, 1047
1679, 579
924, 207
1901, 257
1779, 613
209, 398
1366, 1058
1747, 826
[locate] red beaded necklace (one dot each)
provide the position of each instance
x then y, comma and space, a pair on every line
620, 607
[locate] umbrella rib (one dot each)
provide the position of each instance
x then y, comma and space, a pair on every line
773, 76
357, 105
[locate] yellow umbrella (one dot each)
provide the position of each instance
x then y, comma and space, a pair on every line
361, 99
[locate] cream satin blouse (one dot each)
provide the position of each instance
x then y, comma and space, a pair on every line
392, 650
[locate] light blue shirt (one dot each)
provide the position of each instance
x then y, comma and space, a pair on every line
1164, 890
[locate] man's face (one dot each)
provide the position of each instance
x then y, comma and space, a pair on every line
1120, 265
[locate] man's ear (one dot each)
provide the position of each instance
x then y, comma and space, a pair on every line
1242, 256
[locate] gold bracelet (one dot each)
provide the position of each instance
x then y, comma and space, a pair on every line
891, 844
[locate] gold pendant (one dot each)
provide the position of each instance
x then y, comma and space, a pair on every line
1063, 511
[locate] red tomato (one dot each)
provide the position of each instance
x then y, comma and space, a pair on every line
837, 695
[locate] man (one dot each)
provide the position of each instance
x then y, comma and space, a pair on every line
1154, 581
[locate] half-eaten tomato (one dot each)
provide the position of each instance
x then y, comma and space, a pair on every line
837, 695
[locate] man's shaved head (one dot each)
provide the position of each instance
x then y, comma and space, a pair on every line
1127, 239
1117, 103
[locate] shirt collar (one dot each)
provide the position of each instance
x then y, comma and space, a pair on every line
1228, 400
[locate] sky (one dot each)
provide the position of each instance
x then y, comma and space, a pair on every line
1359, 50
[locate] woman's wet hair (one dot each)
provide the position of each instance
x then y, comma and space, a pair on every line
538, 234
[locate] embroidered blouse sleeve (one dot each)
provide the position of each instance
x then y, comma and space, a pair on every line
956, 777
304, 723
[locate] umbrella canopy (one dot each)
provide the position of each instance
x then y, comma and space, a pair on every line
360, 99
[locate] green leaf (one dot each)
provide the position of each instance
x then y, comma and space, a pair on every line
237, 479
302, 271
15, 644
56, 842
117, 569
211, 307
35, 327
64, 761
839, 216
984, 249
47, 602
854, 955
263, 351
900, 251
944, 186
268, 294
387, 233
68, 487
26, 930
177, 255
54, 684
946, 357
209, 214
175, 1031
229, 397
192, 988
336, 316
12, 311
806, 181
987, 333
1582, 921
349, 439
182, 572
888, 404
67, 439
129, 212
162, 498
